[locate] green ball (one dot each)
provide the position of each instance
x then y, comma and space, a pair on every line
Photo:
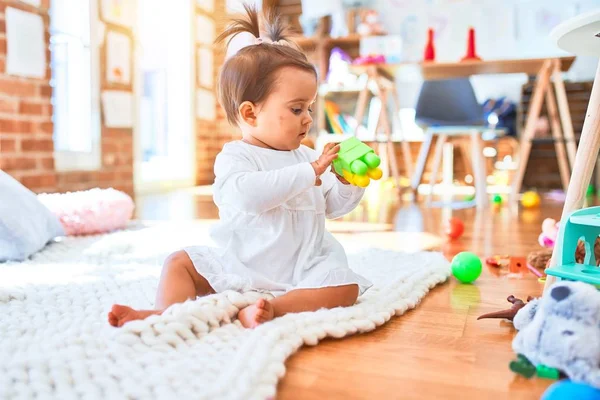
372, 160
590, 190
466, 267
497, 199
358, 167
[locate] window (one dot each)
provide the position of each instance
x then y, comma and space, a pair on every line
75, 82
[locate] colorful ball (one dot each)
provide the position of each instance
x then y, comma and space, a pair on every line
590, 190
530, 199
455, 228
466, 267
571, 390
497, 200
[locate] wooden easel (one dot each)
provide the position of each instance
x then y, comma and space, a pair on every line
550, 71
385, 87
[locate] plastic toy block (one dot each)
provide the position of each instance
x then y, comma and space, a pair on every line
357, 163
522, 366
583, 224
547, 372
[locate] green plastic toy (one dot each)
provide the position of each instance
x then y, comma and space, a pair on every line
524, 367
357, 163
581, 224
466, 267
497, 200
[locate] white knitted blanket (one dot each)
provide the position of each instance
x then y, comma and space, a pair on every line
55, 341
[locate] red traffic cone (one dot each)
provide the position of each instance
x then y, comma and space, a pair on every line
471, 55
429, 48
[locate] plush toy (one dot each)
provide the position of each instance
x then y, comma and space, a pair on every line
370, 24
549, 233
90, 211
560, 331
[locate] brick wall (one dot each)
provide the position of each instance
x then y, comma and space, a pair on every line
26, 145
211, 135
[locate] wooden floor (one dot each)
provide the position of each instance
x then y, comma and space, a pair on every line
437, 351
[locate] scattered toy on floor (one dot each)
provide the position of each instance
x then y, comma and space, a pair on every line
530, 199
497, 200
562, 330
357, 163
549, 233
466, 267
568, 390
510, 313
454, 228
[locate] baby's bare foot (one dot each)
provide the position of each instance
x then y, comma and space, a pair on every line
119, 314
256, 314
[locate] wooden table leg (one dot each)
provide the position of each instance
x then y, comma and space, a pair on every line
421, 160
437, 159
565, 113
391, 153
559, 144
408, 163
535, 107
585, 161
479, 170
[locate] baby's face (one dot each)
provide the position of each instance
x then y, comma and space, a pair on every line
284, 118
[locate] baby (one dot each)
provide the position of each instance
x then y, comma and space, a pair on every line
273, 194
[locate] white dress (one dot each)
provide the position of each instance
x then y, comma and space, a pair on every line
271, 235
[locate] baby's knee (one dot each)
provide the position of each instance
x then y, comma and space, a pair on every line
349, 295
178, 259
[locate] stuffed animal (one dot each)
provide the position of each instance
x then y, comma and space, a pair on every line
549, 233
561, 331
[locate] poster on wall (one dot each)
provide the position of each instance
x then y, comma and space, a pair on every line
25, 46
117, 108
118, 12
237, 6
206, 5
206, 105
205, 68
205, 30
118, 58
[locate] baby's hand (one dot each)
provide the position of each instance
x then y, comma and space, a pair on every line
329, 154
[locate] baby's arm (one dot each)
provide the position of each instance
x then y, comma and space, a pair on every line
340, 198
239, 183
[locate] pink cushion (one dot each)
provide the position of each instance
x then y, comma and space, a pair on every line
90, 211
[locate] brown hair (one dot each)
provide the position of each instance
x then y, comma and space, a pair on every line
250, 74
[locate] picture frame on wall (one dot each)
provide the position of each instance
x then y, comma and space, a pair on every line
118, 12
204, 67
118, 58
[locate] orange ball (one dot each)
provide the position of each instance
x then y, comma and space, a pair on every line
455, 228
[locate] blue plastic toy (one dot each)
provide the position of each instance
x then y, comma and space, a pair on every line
567, 390
582, 225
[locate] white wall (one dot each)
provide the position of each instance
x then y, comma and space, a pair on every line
504, 29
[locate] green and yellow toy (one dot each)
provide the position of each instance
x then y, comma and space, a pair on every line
357, 163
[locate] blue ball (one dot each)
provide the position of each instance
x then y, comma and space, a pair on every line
567, 390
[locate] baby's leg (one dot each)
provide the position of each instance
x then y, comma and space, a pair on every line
179, 281
298, 300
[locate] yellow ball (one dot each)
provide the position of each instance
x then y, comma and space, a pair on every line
530, 199
362, 181
375, 173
